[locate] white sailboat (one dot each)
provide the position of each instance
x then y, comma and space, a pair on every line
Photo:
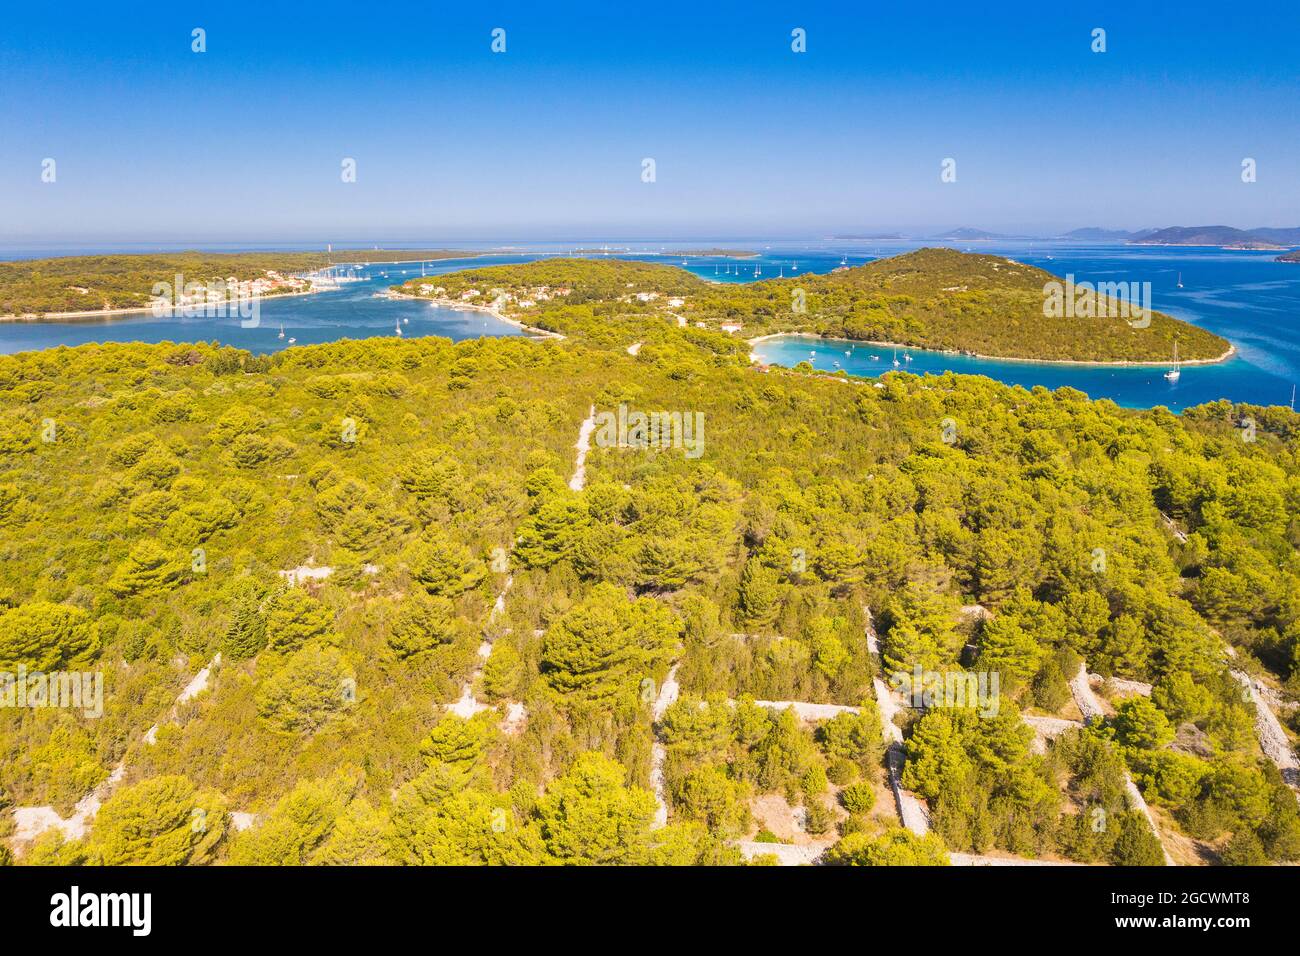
397, 328
1174, 373
895, 358
281, 332
1180, 280
906, 357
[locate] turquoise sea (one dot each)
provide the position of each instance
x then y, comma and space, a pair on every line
1246, 297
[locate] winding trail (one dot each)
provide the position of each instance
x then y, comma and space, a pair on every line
1273, 740
468, 705
31, 822
1090, 706
912, 813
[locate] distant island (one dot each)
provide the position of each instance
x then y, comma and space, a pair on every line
1289, 257
68, 286
938, 299
1095, 234
1226, 237
967, 234
378, 256
671, 253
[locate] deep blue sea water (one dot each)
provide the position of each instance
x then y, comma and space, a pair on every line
1246, 297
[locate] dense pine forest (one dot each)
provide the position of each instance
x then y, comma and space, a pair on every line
357, 603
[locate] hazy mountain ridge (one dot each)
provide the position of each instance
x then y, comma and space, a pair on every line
1227, 236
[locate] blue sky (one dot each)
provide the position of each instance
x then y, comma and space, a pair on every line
245, 141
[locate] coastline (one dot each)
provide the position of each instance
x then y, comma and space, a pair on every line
92, 314
455, 304
1198, 245
1232, 350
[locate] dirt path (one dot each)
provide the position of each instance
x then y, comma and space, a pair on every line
972, 859
31, 822
787, 854
468, 705
1119, 685
1090, 706
912, 813
1087, 702
1272, 738
1046, 729
668, 695
809, 711
579, 479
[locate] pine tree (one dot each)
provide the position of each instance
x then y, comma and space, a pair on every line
147, 570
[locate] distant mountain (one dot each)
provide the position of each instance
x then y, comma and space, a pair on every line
1097, 234
871, 237
967, 234
1227, 237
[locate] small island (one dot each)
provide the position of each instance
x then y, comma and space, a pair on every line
940, 299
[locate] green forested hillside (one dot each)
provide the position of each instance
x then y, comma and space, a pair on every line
931, 298
151, 496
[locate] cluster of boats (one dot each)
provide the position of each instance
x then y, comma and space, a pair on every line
875, 358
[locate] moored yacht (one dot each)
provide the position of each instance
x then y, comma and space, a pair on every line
1174, 373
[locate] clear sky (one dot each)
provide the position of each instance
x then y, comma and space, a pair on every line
246, 140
